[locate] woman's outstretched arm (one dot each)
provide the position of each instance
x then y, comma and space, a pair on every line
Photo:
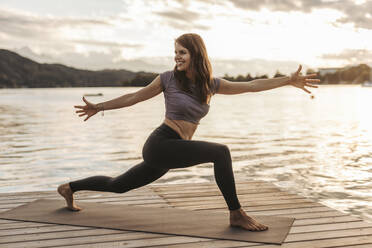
145, 93
257, 85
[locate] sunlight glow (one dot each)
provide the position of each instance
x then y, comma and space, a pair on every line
230, 32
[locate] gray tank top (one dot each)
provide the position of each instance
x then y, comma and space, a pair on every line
181, 105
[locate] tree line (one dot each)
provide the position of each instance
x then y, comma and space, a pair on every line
17, 71
347, 75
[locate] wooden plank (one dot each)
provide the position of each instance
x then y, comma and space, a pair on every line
145, 204
325, 243
221, 202
133, 200
22, 224
26, 197
300, 212
349, 242
127, 240
11, 204
263, 196
143, 191
167, 195
214, 188
356, 246
41, 229
184, 244
157, 205
329, 234
57, 235
129, 203
192, 186
30, 193
256, 208
311, 215
122, 197
208, 184
325, 220
329, 227
2, 221
312, 240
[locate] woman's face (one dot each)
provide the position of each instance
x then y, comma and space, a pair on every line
181, 57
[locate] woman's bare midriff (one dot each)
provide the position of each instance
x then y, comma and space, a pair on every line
185, 129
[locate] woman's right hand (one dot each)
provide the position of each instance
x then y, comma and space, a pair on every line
89, 109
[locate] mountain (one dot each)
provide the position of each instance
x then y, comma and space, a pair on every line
17, 71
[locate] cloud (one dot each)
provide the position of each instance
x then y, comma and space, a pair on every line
357, 14
351, 56
360, 15
23, 24
283, 5
50, 34
181, 19
184, 27
107, 44
179, 15
25, 18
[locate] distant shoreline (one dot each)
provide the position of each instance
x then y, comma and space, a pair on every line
19, 72
125, 86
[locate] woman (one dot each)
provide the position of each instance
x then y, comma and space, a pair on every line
187, 91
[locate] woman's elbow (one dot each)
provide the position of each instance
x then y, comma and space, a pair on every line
253, 87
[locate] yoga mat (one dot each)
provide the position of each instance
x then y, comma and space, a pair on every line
206, 224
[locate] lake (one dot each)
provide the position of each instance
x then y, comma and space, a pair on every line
320, 148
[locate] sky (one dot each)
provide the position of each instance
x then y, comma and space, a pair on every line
241, 36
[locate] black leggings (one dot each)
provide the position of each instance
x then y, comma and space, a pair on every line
165, 149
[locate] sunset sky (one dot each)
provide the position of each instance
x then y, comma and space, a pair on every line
256, 36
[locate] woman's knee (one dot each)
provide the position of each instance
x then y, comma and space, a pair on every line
223, 151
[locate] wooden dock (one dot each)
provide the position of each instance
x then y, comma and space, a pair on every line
315, 226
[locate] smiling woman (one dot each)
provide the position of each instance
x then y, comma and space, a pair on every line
187, 90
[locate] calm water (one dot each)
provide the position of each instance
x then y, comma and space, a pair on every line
320, 148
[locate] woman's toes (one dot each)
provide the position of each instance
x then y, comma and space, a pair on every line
258, 227
263, 228
252, 227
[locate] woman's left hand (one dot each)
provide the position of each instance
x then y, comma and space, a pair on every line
301, 82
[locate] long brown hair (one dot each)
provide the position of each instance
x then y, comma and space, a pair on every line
200, 67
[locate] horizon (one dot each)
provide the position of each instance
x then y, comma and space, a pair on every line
261, 37
317, 70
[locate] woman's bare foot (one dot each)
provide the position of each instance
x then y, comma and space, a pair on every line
239, 218
65, 191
